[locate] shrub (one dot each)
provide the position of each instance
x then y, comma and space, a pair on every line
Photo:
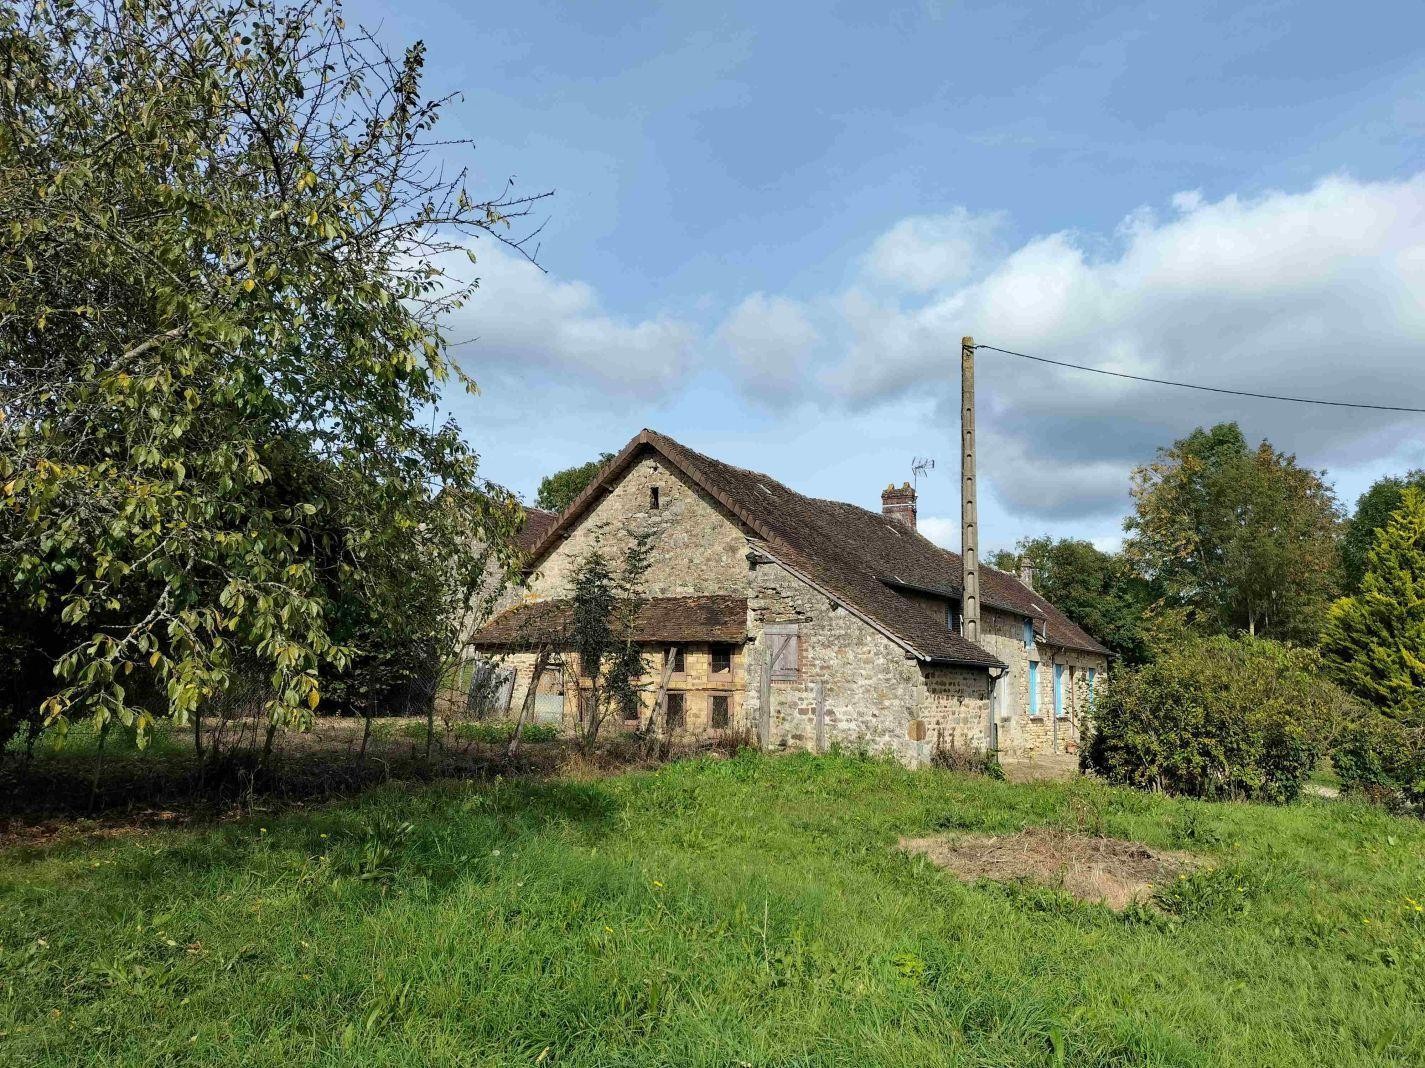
1217, 718
1384, 761
953, 756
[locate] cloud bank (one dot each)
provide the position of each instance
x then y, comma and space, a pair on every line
1317, 293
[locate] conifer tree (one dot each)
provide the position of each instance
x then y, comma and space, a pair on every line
1374, 641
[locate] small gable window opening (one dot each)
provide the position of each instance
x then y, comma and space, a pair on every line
721, 659
953, 619
783, 641
719, 711
676, 716
679, 659
1029, 634
1034, 687
654, 499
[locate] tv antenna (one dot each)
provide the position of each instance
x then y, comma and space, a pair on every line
920, 466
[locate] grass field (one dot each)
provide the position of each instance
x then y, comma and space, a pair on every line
752, 911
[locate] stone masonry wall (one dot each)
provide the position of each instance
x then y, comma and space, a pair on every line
873, 688
1002, 633
698, 546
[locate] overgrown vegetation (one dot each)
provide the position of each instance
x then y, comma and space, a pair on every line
228, 255
1383, 760
1218, 718
753, 910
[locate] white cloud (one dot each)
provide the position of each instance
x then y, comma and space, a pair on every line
529, 321
1313, 293
771, 340
944, 532
926, 252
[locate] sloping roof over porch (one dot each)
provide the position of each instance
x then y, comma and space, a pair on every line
670, 620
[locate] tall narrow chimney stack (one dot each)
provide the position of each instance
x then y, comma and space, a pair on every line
898, 503
1027, 571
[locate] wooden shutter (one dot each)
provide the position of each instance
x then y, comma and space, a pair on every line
783, 643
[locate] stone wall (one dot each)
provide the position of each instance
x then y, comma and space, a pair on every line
872, 687
698, 547
1002, 633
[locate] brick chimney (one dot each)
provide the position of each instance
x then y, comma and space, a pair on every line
898, 503
1027, 572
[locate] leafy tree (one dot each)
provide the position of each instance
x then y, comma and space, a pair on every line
220, 344
1374, 641
1373, 510
557, 491
1236, 539
1099, 591
601, 636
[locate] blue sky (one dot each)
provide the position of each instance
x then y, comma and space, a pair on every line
773, 222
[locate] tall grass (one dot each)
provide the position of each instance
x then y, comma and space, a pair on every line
746, 911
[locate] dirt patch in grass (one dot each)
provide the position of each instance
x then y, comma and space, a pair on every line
1112, 871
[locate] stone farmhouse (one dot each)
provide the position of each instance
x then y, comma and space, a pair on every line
804, 622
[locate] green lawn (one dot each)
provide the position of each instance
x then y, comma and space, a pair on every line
751, 911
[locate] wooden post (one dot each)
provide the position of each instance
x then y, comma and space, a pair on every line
660, 699
764, 713
820, 716
969, 497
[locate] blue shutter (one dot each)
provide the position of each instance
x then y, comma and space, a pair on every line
1034, 687
1091, 678
1059, 690
1029, 634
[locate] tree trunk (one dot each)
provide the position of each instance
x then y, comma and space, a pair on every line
365, 733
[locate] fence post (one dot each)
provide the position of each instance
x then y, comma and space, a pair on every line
765, 711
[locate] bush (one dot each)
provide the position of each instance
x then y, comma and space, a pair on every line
955, 757
1384, 761
1217, 718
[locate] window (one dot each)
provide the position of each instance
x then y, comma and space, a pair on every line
953, 619
1059, 691
721, 659
719, 714
1034, 687
679, 660
1092, 673
675, 716
653, 498
1029, 634
783, 650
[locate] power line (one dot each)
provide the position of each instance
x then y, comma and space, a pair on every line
1205, 389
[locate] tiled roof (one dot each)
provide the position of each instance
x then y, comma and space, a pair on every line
675, 620
537, 523
863, 559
